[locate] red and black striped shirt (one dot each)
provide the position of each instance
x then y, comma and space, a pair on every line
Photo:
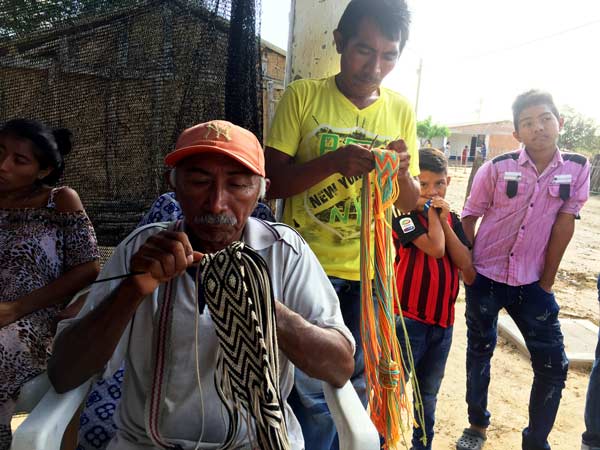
427, 287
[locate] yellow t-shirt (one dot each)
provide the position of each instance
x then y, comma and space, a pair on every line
313, 117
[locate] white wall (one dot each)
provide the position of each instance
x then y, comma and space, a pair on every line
458, 142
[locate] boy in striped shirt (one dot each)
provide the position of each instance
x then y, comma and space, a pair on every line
430, 250
528, 201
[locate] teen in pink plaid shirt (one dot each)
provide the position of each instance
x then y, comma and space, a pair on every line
528, 201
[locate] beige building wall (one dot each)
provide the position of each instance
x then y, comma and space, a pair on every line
500, 144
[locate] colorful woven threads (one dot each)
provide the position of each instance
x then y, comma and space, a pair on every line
386, 380
389, 374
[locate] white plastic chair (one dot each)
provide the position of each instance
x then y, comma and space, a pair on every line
46, 424
31, 396
31, 393
50, 414
353, 424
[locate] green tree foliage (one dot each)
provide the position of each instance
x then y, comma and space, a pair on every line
21, 17
579, 132
428, 130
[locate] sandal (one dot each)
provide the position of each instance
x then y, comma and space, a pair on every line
470, 440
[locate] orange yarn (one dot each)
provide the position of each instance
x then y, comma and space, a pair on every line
386, 380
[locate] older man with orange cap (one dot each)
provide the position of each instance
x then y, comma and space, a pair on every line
155, 320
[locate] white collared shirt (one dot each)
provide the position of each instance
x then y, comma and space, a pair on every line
298, 281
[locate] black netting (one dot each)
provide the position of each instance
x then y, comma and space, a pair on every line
127, 77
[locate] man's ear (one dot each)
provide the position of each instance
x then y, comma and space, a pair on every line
448, 180
267, 186
170, 178
43, 173
339, 41
561, 123
516, 136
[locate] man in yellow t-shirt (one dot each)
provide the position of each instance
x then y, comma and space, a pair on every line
318, 150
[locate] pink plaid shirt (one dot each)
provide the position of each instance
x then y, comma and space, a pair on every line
510, 245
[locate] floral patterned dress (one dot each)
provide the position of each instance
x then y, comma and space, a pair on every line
37, 245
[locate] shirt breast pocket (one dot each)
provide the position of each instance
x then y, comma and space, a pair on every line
555, 194
501, 197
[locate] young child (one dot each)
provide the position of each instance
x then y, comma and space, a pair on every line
528, 200
430, 250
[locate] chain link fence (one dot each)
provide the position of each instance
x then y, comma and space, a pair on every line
126, 77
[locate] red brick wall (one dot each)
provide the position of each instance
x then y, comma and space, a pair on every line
275, 64
274, 71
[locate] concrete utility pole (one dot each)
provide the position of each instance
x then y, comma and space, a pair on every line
311, 52
419, 73
480, 109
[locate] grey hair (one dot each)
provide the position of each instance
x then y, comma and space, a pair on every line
262, 189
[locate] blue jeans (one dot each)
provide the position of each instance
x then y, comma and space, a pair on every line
430, 345
535, 313
591, 436
307, 399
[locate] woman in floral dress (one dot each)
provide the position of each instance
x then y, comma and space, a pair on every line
48, 252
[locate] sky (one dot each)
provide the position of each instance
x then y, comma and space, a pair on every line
478, 55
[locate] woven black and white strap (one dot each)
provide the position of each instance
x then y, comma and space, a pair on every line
237, 289
238, 292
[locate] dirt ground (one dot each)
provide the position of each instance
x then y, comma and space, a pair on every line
511, 372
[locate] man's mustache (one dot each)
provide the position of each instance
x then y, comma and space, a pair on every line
215, 219
369, 80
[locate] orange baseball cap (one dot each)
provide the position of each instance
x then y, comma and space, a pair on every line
220, 136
